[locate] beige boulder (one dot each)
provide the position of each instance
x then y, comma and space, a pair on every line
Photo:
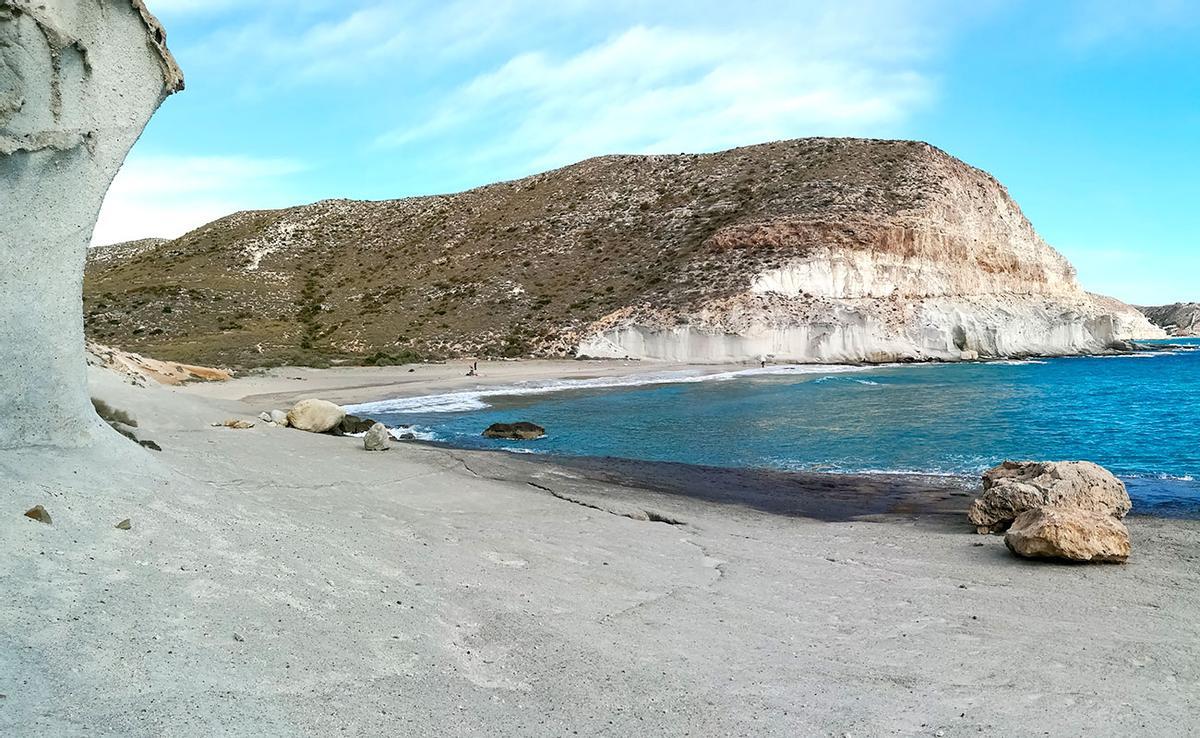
315, 416
1016, 486
1069, 534
377, 438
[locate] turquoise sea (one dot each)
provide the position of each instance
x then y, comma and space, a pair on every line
1136, 414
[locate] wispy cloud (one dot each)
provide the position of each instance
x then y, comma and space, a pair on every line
1097, 22
167, 196
662, 88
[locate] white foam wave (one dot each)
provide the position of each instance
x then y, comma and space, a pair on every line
467, 401
1016, 362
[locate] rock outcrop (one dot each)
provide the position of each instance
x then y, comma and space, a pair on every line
1014, 487
807, 250
1069, 535
78, 82
940, 266
522, 431
1178, 319
315, 416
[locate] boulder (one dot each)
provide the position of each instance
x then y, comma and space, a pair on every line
1068, 534
522, 431
266, 417
354, 424
279, 417
315, 416
377, 438
1016, 486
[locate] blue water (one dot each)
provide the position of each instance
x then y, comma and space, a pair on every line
1137, 415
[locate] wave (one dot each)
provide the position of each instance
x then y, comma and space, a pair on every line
1016, 362
471, 400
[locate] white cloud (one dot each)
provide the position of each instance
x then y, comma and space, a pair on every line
663, 89
167, 196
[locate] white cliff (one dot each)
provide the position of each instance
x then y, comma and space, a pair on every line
79, 79
956, 272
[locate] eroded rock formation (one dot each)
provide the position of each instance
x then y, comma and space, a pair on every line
1069, 534
1178, 319
79, 79
1015, 487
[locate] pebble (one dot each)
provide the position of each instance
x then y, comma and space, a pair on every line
38, 513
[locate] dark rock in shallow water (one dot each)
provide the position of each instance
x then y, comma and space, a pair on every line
353, 424
150, 445
522, 431
125, 524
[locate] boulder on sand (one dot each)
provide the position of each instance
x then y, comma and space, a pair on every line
1068, 534
279, 417
315, 416
377, 438
522, 431
1016, 486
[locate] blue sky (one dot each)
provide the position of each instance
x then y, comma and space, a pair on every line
1088, 110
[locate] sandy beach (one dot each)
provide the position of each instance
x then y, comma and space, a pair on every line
276, 582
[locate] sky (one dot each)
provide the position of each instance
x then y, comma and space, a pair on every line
1087, 110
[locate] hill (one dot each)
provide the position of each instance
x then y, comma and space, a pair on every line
814, 249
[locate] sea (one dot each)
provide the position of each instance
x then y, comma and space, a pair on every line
1137, 414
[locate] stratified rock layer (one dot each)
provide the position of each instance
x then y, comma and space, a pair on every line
948, 270
78, 82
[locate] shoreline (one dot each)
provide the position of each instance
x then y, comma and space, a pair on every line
273, 577
356, 387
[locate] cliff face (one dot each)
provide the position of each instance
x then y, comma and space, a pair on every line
78, 81
949, 272
810, 250
1178, 319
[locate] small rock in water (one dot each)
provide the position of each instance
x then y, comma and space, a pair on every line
150, 445
354, 424
38, 513
377, 438
238, 637
124, 524
522, 431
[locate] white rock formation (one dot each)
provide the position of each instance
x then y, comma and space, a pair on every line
955, 273
79, 79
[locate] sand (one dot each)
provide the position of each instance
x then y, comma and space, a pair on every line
280, 583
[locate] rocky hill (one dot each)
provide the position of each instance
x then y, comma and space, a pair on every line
811, 250
1177, 319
